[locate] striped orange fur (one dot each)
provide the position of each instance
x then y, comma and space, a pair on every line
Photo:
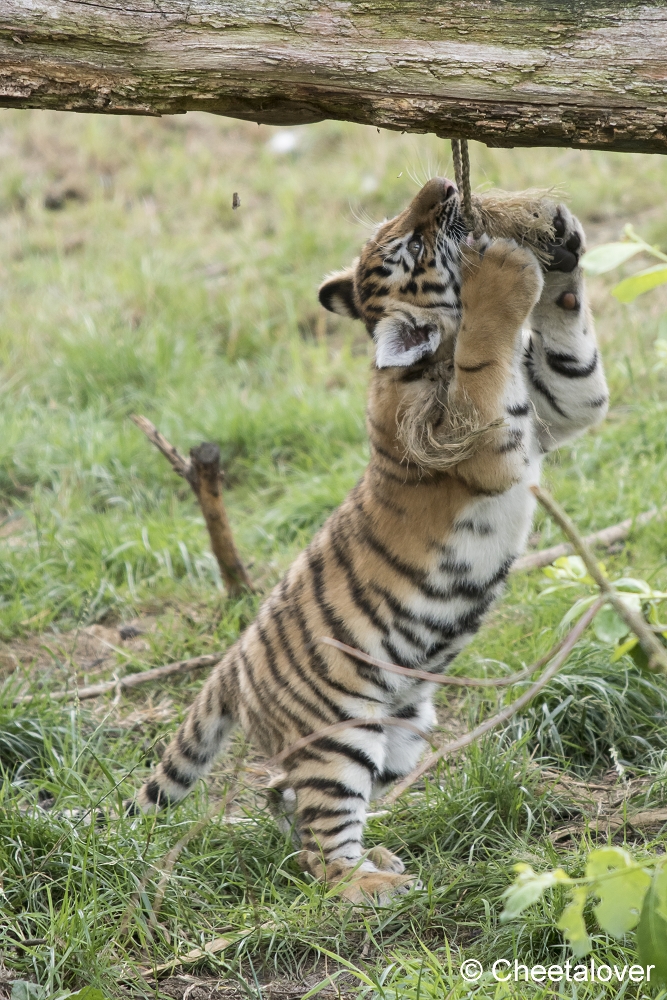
483, 362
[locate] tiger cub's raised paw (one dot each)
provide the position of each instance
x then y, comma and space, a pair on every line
569, 242
504, 278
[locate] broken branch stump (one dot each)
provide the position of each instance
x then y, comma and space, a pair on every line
202, 471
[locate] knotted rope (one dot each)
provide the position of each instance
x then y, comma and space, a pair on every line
461, 159
525, 216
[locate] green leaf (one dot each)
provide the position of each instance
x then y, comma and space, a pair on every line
628, 289
609, 626
24, 990
652, 928
573, 925
89, 993
631, 601
630, 583
528, 887
577, 609
625, 647
608, 256
622, 895
568, 568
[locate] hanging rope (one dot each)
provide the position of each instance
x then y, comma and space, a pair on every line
524, 216
461, 159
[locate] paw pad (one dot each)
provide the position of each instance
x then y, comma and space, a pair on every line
568, 300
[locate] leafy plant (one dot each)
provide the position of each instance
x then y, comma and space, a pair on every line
628, 894
608, 256
609, 627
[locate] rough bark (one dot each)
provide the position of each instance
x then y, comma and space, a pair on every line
582, 73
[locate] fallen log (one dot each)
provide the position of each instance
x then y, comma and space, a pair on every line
542, 72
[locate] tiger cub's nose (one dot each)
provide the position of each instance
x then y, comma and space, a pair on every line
437, 190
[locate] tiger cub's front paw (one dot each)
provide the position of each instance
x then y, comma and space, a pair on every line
502, 278
569, 242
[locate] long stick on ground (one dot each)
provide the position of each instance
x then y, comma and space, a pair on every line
655, 651
202, 471
497, 720
607, 536
129, 680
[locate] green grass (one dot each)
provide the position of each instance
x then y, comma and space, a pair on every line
147, 293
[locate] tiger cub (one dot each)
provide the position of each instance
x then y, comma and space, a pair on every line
482, 363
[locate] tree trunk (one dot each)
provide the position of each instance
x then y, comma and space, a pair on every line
582, 73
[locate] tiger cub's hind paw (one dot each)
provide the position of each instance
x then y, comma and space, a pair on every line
384, 860
377, 877
380, 887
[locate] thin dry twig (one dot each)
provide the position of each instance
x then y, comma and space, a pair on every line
607, 536
202, 471
179, 464
426, 675
129, 680
655, 651
497, 720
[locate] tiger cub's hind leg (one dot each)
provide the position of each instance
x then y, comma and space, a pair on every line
333, 793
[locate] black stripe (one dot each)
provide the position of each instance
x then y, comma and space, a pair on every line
598, 401
538, 384
358, 596
381, 269
354, 586
390, 776
262, 716
405, 480
274, 668
332, 618
471, 369
388, 457
513, 443
450, 564
294, 662
305, 753
284, 683
384, 501
407, 712
518, 409
480, 528
171, 771
333, 830
352, 753
568, 365
317, 661
334, 788
344, 843
155, 794
187, 751
314, 812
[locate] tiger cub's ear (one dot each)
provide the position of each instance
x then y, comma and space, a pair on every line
401, 341
336, 293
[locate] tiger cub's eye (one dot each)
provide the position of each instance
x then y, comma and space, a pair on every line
415, 246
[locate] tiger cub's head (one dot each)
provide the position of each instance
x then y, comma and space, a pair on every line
406, 284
